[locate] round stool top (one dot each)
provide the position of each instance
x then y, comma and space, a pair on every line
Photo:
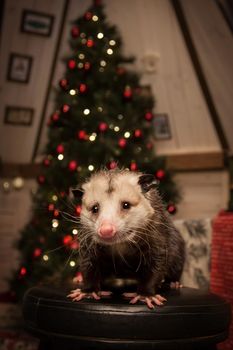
189, 315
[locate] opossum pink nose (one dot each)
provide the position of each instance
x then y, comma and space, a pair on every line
107, 230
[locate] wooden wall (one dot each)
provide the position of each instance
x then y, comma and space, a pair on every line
146, 27
17, 142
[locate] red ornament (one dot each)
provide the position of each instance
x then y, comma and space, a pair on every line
122, 142
51, 207
63, 83
160, 174
82, 135
72, 165
74, 244
103, 126
87, 66
46, 162
72, 64
88, 16
148, 116
90, 43
55, 117
78, 209
82, 88
23, 271
138, 133
67, 239
37, 252
127, 93
133, 166
112, 165
120, 70
60, 149
171, 208
65, 108
56, 213
75, 31
149, 145
41, 179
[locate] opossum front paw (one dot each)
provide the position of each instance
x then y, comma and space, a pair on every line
176, 285
78, 294
150, 301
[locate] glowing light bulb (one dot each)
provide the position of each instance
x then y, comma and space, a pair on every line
109, 51
60, 156
55, 223
127, 134
86, 111
72, 92
72, 263
45, 257
116, 128
100, 109
75, 231
54, 198
80, 65
91, 167
81, 56
103, 63
112, 42
93, 137
100, 35
95, 18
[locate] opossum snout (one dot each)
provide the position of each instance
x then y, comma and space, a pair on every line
107, 230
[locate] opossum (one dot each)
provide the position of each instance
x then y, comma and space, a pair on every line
126, 232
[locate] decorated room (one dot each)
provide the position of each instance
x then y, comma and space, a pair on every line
116, 174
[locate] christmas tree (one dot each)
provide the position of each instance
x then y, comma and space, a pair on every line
102, 119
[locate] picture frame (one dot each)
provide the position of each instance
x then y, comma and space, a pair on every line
19, 68
37, 23
21, 116
162, 129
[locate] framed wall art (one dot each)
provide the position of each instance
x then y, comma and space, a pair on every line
162, 130
19, 68
15, 115
36, 23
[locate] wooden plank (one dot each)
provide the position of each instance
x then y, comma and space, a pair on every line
196, 161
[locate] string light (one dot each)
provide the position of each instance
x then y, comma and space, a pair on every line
95, 18
54, 198
72, 263
55, 223
60, 156
103, 63
86, 111
100, 109
80, 65
100, 35
72, 92
75, 231
127, 134
109, 51
112, 42
45, 257
81, 56
91, 167
116, 128
93, 137
120, 116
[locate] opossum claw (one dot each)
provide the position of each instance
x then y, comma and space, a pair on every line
176, 285
77, 295
150, 301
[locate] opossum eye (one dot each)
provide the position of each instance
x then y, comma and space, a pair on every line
125, 205
95, 209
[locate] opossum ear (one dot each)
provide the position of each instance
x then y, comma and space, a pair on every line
147, 181
77, 193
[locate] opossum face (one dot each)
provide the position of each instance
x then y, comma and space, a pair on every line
114, 207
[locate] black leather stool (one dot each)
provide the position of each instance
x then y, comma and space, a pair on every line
190, 319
